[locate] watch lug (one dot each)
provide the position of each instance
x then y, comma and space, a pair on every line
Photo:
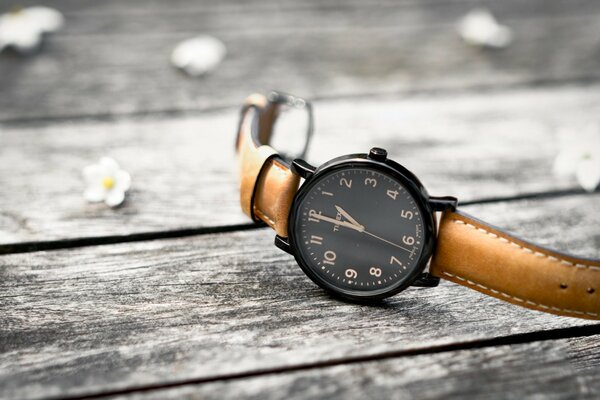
443, 203
426, 280
283, 244
302, 168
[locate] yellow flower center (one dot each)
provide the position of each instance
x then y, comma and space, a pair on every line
16, 10
108, 182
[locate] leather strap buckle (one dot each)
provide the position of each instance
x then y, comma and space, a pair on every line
268, 109
285, 99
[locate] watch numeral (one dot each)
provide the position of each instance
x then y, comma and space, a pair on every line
329, 257
350, 273
326, 193
314, 239
392, 193
395, 260
346, 182
406, 214
371, 181
375, 271
409, 240
311, 216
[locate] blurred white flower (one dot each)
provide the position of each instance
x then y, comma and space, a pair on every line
106, 182
198, 55
23, 29
480, 28
580, 156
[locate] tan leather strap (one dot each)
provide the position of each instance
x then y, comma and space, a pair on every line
267, 184
468, 251
474, 254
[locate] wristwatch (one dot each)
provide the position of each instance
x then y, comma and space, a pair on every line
363, 227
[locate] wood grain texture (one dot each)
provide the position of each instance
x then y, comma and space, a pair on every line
116, 60
99, 319
141, 8
135, 17
105, 318
470, 146
541, 370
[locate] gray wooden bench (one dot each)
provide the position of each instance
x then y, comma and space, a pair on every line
175, 294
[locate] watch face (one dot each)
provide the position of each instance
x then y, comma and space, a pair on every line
360, 231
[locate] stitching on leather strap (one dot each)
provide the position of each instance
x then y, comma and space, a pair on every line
518, 299
526, 249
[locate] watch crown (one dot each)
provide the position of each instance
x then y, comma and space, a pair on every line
377, 154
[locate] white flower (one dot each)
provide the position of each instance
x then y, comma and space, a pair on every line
480, 28
580, 156
22, 29
106, 182
198, 55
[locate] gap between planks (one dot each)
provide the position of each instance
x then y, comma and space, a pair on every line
507, 340
28, 247
541, 83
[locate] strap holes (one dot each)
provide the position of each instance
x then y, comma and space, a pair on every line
591, 290
563, 286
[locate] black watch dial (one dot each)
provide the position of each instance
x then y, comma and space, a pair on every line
359, 231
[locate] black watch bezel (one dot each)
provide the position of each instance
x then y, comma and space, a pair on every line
415, 188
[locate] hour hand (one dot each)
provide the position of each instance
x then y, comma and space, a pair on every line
337, 222
348, 216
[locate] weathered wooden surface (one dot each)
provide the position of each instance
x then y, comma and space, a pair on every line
108, 318
556, 369
113, 58
184, 168
228, 315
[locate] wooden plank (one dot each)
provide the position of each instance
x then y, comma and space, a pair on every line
106, 318
135, 17
139, 8
550, 370
183, 168
315, 51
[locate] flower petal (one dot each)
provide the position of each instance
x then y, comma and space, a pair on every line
27, 42
44, 19
588, 173
17, 33
480, 28
122, 181
114, 198
93, 174
110, 166
94, 194
198, 55
565, 163
22, 29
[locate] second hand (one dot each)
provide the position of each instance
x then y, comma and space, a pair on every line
387, 241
